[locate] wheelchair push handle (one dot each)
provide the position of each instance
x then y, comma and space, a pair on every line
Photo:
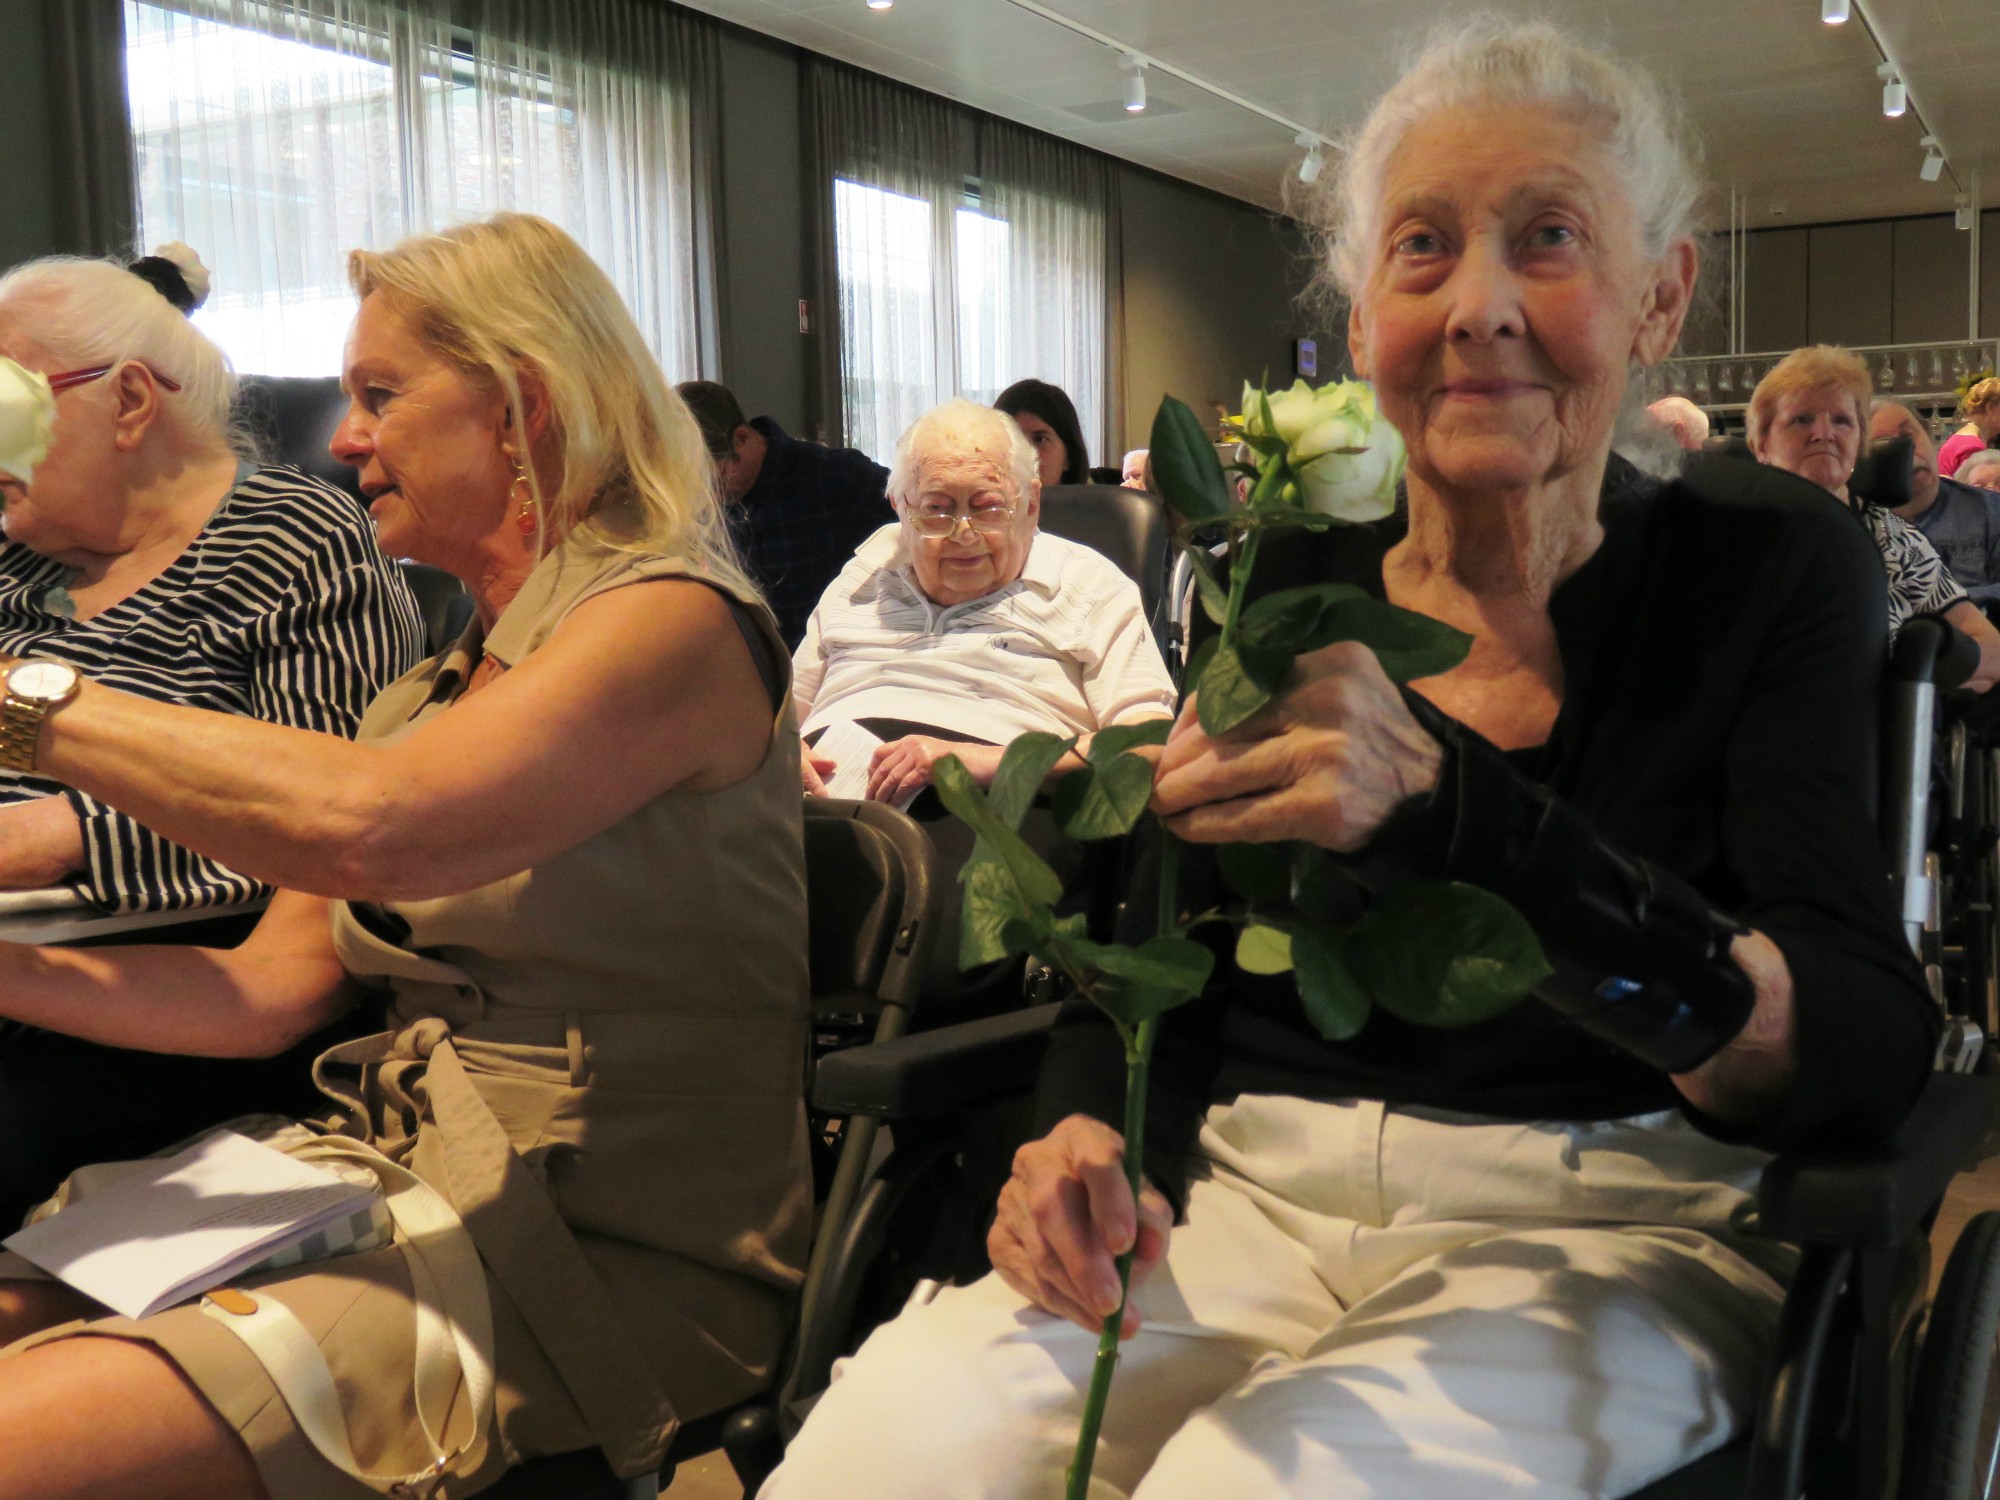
1929, 649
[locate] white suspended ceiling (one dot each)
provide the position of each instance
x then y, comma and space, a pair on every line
1789, 108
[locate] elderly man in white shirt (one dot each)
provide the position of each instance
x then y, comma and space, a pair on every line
960, 625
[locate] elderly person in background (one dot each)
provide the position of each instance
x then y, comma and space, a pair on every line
1806, 417
151, 554
963, 625
1048, 417
1982, 469
1509, 1258
1958, 519
1683, 420
1981, 429
567, 852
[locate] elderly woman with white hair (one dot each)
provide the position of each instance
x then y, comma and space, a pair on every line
962, 625
1511, 1257
152, 552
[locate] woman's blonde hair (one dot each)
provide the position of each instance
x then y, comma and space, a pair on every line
1808, 369
514, 293
1982, 395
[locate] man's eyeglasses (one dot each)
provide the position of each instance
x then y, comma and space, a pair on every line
989, 519
69, 378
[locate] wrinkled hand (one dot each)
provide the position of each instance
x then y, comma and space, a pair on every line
1327, 760
903, 767
1066, 1215
814, 769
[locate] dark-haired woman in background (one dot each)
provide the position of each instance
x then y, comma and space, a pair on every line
1047, 415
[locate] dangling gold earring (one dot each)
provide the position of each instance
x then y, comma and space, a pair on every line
524, 520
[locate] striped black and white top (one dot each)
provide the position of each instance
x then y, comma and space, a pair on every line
282, 608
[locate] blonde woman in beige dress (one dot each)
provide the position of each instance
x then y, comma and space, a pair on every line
567, 853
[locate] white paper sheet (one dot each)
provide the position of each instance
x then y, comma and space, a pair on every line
850, 748
178, 1226
42, 898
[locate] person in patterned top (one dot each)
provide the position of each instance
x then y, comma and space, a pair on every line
1807, 416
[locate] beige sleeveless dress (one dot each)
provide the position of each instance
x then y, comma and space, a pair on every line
600, 1062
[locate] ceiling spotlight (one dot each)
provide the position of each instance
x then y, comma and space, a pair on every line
880, 4
1933, 160
1833, 12
1135, 85
1895, 98
1315, 158
1963, 218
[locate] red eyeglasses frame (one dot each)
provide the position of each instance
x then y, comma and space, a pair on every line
69, 378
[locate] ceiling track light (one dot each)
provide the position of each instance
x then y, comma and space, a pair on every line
1315, 158
1933, 166
1895, 98
1833, 12
880, 4
1963, 218
1135, 84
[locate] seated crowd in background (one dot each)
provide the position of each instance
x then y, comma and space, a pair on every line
1808, 416
1959, 519
1981, 429
961, 624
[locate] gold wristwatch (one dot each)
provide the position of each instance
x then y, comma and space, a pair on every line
34, 690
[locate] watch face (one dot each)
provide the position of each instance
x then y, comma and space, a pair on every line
42, 681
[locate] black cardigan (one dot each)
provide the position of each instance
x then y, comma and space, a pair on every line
1722, 657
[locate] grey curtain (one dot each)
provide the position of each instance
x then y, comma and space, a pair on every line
976, 251
90, 138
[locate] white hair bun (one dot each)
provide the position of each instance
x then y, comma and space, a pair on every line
188, 263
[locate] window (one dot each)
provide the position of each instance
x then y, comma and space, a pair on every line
275, 137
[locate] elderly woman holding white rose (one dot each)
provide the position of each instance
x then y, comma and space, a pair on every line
1510, 1257
962, 625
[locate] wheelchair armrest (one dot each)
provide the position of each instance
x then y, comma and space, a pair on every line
1880, 1195
936, 1072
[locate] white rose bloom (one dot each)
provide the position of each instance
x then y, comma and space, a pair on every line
1321, 429
27, 419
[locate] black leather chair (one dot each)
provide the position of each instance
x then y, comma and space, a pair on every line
293, 418
1127, 526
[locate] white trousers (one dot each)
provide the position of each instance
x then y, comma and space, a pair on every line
1363, 1302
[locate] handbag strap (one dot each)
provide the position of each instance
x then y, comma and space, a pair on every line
454, 1332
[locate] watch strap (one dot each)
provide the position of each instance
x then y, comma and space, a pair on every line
20, 731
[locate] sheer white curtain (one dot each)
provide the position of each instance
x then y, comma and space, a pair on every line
967, 253
276, 135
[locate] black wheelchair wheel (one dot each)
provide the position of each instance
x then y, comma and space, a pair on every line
1953, 1437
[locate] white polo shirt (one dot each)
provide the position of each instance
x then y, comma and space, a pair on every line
1063, 648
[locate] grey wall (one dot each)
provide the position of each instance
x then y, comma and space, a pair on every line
763, 353
1211, 288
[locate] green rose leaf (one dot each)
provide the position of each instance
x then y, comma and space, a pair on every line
1445, 955
1035, 884
1260, 873
1024, 766
1333, 998
1197, 663
990, 906
1237, 680
1139, 983
1293, 619
1107, 799
1408, 645
1315, 891
1185, 466
1262, 949
1111, 744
